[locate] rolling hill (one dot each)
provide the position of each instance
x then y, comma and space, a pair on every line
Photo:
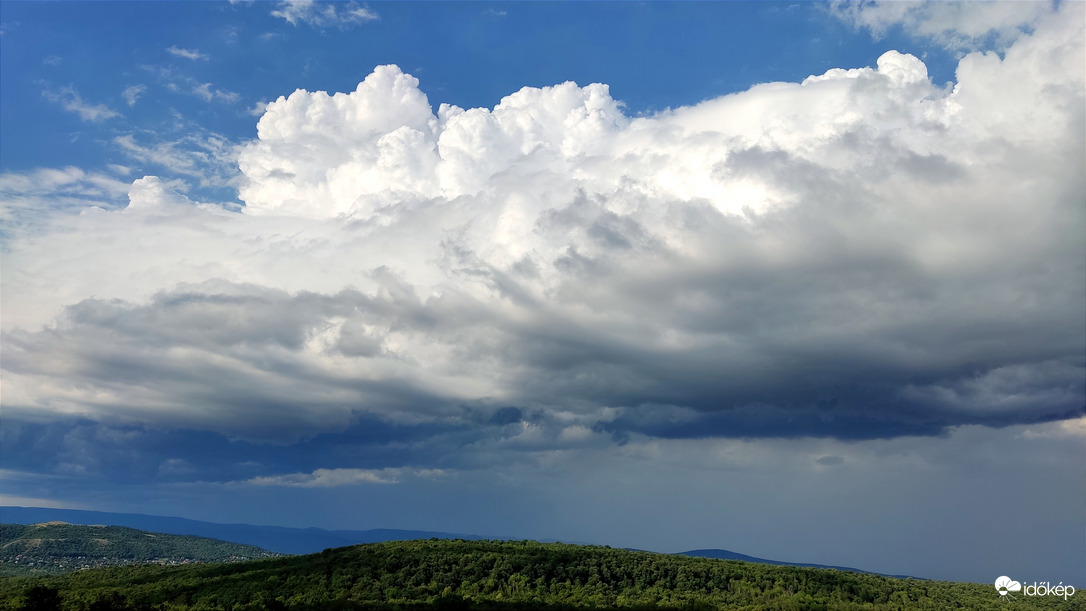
279, 539
57, 547
286, 540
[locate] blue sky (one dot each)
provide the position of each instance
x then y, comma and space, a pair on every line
799, 280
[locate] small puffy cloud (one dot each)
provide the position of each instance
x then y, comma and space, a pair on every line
71, 101
132, 93
186, 53
324, 14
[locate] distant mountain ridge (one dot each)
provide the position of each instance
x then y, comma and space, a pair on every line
723, 554
279, 539
286, 540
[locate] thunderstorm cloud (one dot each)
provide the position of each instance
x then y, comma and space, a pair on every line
863, 254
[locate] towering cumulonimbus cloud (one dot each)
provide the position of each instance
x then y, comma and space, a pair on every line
862, 254
322, 156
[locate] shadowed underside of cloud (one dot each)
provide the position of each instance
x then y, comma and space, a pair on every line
859, 255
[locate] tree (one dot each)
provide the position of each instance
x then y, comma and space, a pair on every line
42, 598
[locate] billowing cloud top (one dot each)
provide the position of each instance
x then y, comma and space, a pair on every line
863, 254
323, 156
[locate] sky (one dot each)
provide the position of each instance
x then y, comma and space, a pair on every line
804, 281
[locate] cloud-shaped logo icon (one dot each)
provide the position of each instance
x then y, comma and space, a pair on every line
1005, 584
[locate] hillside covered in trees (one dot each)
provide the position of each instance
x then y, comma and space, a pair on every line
57, 547
493, 575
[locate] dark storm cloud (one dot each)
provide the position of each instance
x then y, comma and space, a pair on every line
130, 455
831, 344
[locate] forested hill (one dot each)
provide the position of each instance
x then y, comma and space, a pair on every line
57, 547
496, 576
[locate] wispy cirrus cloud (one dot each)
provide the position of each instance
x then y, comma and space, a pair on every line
132, 93
70, 180
180, 82
70, 100
27, 199
203, 155
208, 93
324, 14
192, 54
959, 26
